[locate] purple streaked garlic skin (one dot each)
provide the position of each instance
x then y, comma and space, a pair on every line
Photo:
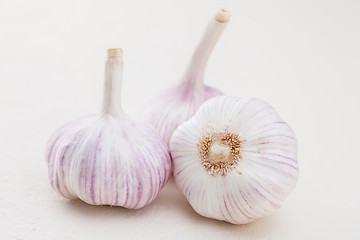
235, 160
179, 102
108, 159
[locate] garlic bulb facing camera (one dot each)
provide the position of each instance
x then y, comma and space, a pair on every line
108, 159
235, 160
179, 102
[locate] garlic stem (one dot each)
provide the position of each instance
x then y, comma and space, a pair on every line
195, 72
113, 79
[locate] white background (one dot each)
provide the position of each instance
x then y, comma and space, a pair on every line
301, 56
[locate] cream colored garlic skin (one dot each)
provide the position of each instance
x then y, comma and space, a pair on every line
108, 159
179, 102
235, 160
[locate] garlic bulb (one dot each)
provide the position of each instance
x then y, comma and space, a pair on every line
235, 160
179, 102
108, 159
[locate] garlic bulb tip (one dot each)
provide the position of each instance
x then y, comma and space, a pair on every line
114, 52
223, 15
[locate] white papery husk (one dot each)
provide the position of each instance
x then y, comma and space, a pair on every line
179, 102
262, 179
109, 158
174, 106
105, 160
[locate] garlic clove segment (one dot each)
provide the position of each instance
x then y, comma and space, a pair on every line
108, 159
235, 160
177, 103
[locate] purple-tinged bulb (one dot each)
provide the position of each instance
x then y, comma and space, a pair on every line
179, 102
108, 159
235, 160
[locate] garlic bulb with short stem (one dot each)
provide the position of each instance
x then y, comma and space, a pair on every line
179, 102
235, 160
108, 159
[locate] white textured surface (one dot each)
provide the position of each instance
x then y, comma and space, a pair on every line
302, 57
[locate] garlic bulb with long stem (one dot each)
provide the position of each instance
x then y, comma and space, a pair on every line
108, 159
179, 102
235, 160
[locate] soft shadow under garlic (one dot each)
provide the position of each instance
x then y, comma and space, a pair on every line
169, 200
172, 205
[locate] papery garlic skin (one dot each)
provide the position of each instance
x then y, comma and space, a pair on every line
179, 102
108, 159
167, 116
266, 170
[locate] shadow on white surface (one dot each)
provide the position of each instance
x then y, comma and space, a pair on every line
171, 207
